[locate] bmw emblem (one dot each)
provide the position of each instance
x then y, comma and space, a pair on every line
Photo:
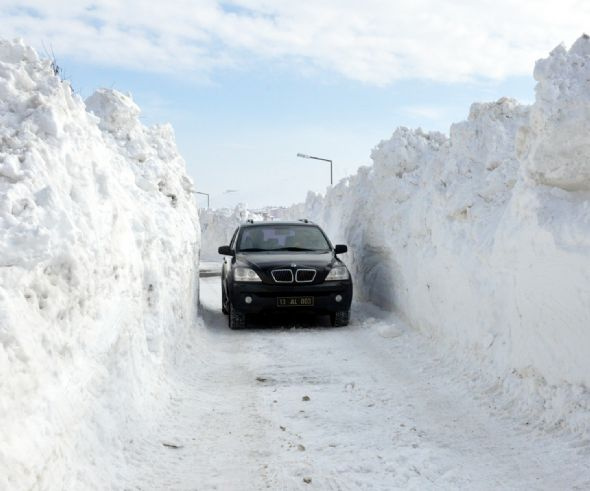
293, 265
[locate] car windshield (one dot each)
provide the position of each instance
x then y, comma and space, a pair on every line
267, 238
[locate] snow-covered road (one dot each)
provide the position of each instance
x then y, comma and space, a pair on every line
370, 406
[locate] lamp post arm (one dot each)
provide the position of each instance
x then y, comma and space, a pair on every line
319, 158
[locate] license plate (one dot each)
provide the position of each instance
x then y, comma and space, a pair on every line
295, 302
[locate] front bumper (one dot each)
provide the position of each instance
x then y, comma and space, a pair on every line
264, 297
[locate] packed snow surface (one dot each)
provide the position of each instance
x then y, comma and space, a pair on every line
482, 240
98, 274
307, 407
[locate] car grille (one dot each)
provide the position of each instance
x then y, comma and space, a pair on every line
286, 275
282, 275
305, 275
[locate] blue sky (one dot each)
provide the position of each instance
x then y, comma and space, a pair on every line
242, 131
249, 84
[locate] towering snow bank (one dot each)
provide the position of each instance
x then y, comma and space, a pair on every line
482, 239
218, 226
98, 257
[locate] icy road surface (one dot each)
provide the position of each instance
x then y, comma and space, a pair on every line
369, 406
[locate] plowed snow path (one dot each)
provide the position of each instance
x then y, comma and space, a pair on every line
383, 413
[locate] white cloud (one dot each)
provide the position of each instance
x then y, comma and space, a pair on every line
372, 41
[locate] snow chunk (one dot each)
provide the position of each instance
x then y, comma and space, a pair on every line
556, 148
401, 151
388, 330
117, 112
17, 52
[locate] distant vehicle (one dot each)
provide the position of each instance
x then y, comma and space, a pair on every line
284, 266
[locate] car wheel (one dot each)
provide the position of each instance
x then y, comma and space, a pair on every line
237, 319
223, 300
340, 318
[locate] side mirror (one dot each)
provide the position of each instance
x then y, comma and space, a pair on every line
225, 251
340, 249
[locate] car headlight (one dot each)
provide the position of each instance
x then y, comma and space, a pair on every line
338, 273
246, 274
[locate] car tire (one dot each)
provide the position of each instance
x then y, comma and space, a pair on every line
340, 318
223, 300
237, 319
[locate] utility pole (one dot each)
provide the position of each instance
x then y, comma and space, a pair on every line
204, 194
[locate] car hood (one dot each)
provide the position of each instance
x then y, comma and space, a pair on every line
271, 260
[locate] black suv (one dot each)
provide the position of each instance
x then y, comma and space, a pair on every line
280, 266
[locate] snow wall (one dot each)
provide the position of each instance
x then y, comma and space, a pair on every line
482, 240
99, 247
218, 227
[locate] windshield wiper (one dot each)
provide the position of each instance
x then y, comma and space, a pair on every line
294, 249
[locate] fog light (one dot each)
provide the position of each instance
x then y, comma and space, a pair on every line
338, 298
248, 300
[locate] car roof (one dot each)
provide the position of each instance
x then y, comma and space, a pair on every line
276, 222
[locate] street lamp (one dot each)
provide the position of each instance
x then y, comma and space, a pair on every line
304, 156
204, 194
